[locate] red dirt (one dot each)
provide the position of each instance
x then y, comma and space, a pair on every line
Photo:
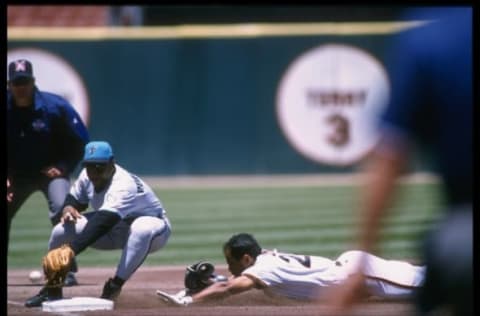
138, 297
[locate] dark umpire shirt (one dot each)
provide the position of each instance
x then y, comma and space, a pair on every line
431, 102
49, 133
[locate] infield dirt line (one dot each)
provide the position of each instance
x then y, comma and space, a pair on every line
161, 268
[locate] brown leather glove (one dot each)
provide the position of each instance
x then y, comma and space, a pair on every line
56, 264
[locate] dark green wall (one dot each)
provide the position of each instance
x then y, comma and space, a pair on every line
194, 106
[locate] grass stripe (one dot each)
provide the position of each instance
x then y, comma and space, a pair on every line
317, 220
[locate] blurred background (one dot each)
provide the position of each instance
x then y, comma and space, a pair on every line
77, 15
251, 91
201, 90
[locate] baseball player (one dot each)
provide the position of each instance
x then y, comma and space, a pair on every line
431, 109
301, 277
126, 215
46, 138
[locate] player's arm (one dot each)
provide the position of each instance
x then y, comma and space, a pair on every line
97, 226
58, 261
217, 290
386, 166
221, 290
73, 137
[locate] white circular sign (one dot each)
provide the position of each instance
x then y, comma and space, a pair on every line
328, 103
53, 74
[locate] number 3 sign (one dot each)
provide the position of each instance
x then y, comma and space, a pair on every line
329, 101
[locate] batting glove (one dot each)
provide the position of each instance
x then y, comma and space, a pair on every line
181, 293
178, 300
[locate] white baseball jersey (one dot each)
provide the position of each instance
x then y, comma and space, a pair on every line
127, 195
304, 277
290, 275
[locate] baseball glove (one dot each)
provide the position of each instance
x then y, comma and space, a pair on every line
200, 275
56, 264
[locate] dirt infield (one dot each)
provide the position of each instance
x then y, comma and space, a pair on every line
138, 297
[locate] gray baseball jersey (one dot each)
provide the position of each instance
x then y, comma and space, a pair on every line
127, 195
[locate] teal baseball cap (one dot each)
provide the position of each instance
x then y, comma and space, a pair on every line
97, 152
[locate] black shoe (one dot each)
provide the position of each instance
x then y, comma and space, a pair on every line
37, 300
111, 290
70, 279
45, 294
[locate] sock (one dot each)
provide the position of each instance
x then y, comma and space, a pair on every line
118, 281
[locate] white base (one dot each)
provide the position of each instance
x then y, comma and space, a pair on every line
75, 304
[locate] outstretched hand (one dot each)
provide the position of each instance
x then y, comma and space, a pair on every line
179, 299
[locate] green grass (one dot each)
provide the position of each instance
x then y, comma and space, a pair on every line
310, 220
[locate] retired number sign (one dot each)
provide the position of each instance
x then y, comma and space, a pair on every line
329, 101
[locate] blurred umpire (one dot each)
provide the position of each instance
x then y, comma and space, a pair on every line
431, 109
46, 139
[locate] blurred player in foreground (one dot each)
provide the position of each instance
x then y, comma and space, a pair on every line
46, 138
300, 277
431, 107
126, 215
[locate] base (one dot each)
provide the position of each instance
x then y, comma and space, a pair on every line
75, 304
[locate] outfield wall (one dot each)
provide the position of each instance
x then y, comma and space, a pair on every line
197, 100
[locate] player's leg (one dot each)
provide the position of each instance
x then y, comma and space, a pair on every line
386, 289
61, 234
146, 234
393, 271
67, 232
318, 263
55, 191
384, 278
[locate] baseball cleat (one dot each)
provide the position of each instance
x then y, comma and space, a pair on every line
45, 294
37, 300
111, 290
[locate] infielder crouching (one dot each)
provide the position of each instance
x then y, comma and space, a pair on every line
126, 215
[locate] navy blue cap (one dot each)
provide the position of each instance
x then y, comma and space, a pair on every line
97, 152
20, 68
